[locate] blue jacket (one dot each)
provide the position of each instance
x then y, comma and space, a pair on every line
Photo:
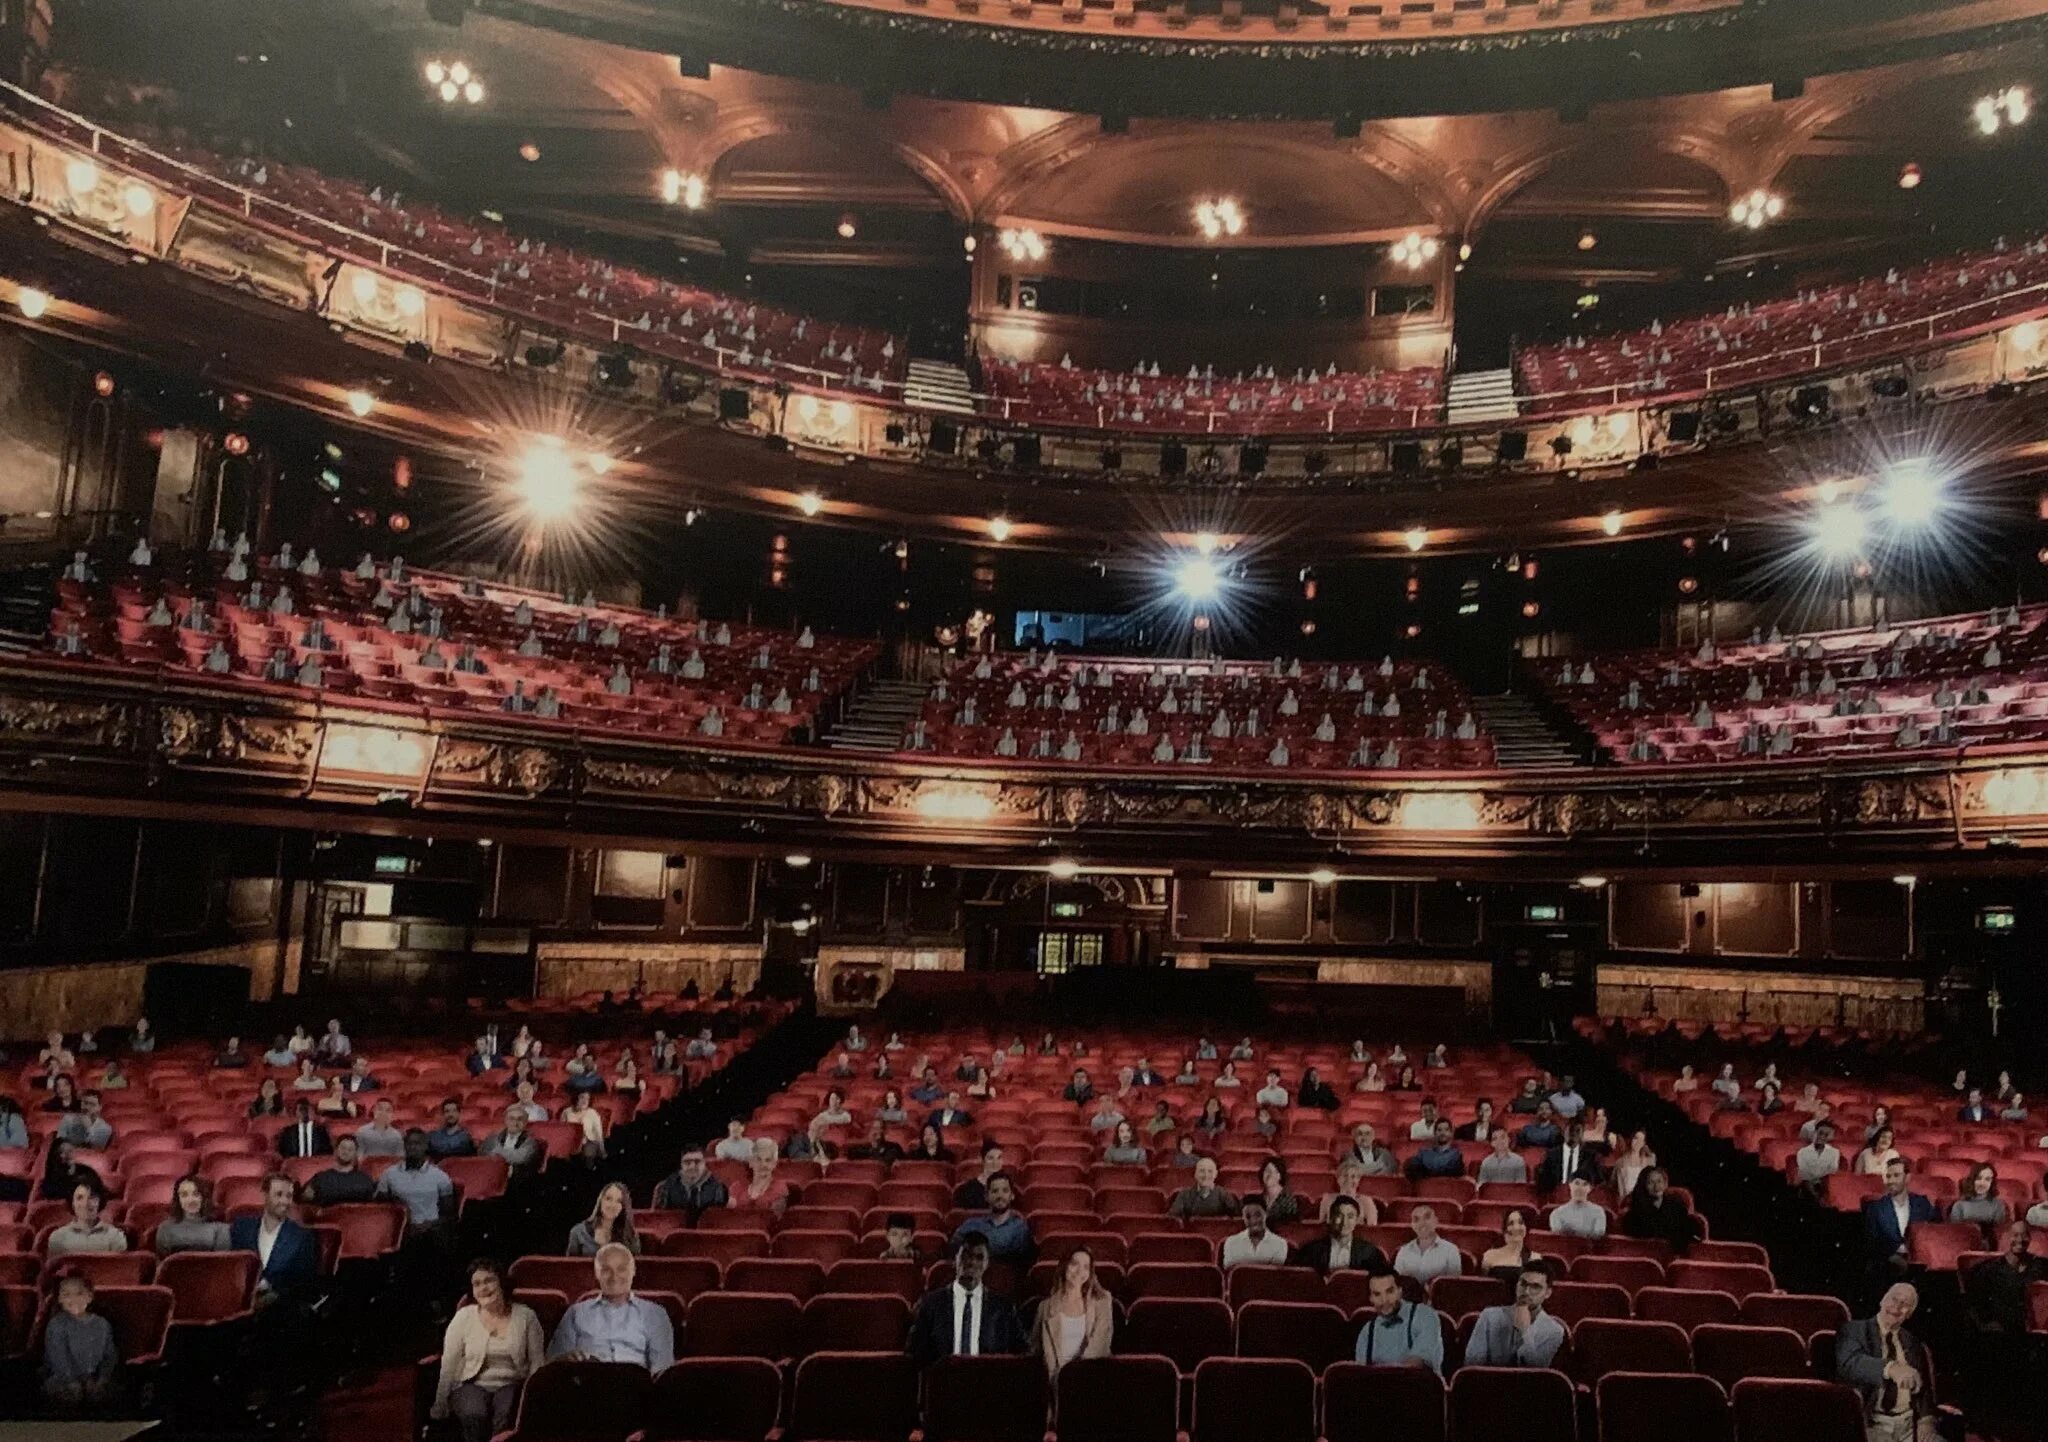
1881, 1221
294, 1257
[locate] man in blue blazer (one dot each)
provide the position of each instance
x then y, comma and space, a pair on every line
1887, 1219
290, 1255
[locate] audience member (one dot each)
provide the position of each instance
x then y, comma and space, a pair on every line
1254, 1243
1542, 1133
899, 1239
491, 1347
1631, 1162
1653, 1213
972, 1194
451, 1138
1503, 1163
81, 1363
288, 1253
1888, 1218
734, 1146
1376, 1160
610, 1220
1427, 1256
1521, 1335
1889, 1367
519, 1149
87, 1127
1340, 1247
1570, 1158
191, 1226
1579, 1217
1423, 1128
345, 1181
1005, 1230
88, 1230
965, 1319
1504, 1263
63, 1173
1818, 1159
763, 1191
1440, 1158
305, 1137
1077, 1319
416, 1183
1399, 1333
615, 1325
692, 1190
1203, 1198
380, 1137
1979, 1201
1282, 1205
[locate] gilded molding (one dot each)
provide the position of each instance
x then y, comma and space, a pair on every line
529, 770
75, 723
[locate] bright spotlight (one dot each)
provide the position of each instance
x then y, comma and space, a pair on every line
1415, 537
1063, 868
473, 92
1218, 218
1840, 532
1198, 579
410, 300
81, 177
810, 503
683, 188
1757, 207
34, 302
436, 72
1021, 244
999, 529
1322, 876
1415, 249
1592, 881
1912, 493
548, 484
2010, 106
138, 199
1611, 523
1205, 542
360, 403
796, 860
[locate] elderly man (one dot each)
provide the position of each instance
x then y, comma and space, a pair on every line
1522, 1335
690, 1187
1889, 1367
615, 1325
1204, 1198
1378, 1161
519, 1149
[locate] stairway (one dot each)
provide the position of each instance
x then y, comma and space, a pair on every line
878, 718
1482, 396
938, 386
1522, 739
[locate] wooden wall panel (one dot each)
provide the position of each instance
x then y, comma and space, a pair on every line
1869, 920
1777, 998
1755, 918
721, 893
1280, 910
569, 968
1362, 912
1202, 908
1648, 916
533, 884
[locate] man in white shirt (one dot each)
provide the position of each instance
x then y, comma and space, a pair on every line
735, 1145
1427, 1256
1503, 1163
965, 1319
1254, 1243
1272, 1094
1818, 1159
1424, 1128
1579, 1217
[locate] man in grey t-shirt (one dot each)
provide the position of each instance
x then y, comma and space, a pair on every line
378, 1137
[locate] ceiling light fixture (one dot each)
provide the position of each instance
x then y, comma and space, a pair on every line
1322, 876
1063, 868
848, 226
1756, 208
1587, 240
1020, 244
684, 188
810, 503
33, 301
360, 403
1415, 537
999, 529
2010, 106
1415, 249
1218, 218
1611, 523
1910, 176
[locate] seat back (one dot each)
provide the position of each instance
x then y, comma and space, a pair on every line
985, 1399
797, 1277
1174, 1279
1118, 1399
849, 1322
568, 1401
140, 1317
1382, 1404
1687, 1309
1315, 1333
1187, 1329
715, 1399
872, 1274
1770, 1409
1257, 1283
1730, 1353
209, 1286
854, 1397
1489, 1403
1662, 1407
1603, 1344
1804, 1313
1254, 1399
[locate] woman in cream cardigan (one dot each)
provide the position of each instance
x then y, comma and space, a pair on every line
1075, 1320
491, 1348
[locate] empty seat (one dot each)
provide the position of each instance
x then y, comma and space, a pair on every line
1803, 1312
795, 1277
715, 1399
1603, 1344
1273, 1284
571, 1276
582, 1402
1631, 1274
1687, 1309
1382, 1404
1456, 1297
1730, 1353
141, 1319
1662, 1407
1187, 1329
1118, 1399
210, 1287
1771, 1409
723, 1248
872, 1274
1315, 1333
103, 1269
1573, 1302
743, 1324
1254, 1399
847, 1322
985, 1399
685, 1277
853, 1397
1738, 1279
1490, 1403
1174, 1279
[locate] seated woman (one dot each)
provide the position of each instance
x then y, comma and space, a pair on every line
931, 1147
1873, 1159
626, 1079
1282, 1205
1350, 1173
1505, 1262
1077, 1319
81, 1363
1405, 1080
1980, 1202
1212, 1124
1372, 1081
610, 1220
1124, 1149
336, 1102
1631, 1162
763, 1191
582, 1114
1228, 1080
489, 1350
891, 1110
1598, 1133
309, 1078
1315, 1092
834, 1112
269, 1099
982, 1087
191, 1226
63, 1094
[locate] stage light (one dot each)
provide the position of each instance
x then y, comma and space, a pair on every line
1840, 532
1218, 218
33, 301
1465, 250
235, 443
1021, 244
1687, 585
436, 72
1757, 207
1415, 249
1906, 879
810, 503
1322, 876
529, 152
411, 301
796, 861
999, 529
548, 485
1910, 176
459, 72
1592, 881
102, 384
138, 199
1415, 538
1912, 493
1611, 523
473, 92
1063, 868
1206, 542
2010, 106
81, 178
685, 188
848, 226
1198, 579
360, 403
1532, 609
1587, 240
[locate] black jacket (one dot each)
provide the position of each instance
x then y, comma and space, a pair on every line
931, 1326
1552, 1172
1316, 1255
288, 1142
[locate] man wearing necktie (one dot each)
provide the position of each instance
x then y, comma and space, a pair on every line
1570, 1158
965, 1319
304, 1137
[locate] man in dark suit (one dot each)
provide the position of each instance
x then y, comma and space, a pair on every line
1889, 1368
1568, 1159
1973, 1109
1887, 1219
305, 1137
289, 1253
1340, 1247
359, 1078
952, 1114
965, 1319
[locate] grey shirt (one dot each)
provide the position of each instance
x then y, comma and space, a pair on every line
191, 1237
73, 1238
1817, 1163
79, 1349
1496, 1343
1579, 1219
1503, 1167
424, 1192
1441, 1260
375, 1141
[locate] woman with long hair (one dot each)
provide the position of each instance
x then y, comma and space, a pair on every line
269, 1100
1372, 1081
1075, 1321
1281, 1204
931, 1146
63, 1174
891, 1110
1630, 1164
191, 1226
491, 1347
1124, 1149
610, 1220
1873, 1159
1979, 1201
1350, 1172
1507, 1260
1213, 1122
63, 1094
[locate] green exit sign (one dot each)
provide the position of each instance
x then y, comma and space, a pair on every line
396, 866
1066, 910
1543, 911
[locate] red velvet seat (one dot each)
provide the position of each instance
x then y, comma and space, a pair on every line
1730, 1353
1662, 1407
1191, 1247
720, 1247
1771, 1409
797, 1277
368, 1229
853, 1397
1254, 1399
1804, 1313
1490, 1403
1457, 1297
1687, 1309
862, 1275
985, 1399
19, 1308
1174, 1279
1315, 1333
548, 1305
1256, 1283
1382, 1404
102, 1269
714, 1399
1573, 1302
1631, 1274
1603, 1344
1737, 1279
1118, 1399
210, 1287
743, 1324
140, 1317
568, 1401
685, 1277
1187, 1329
846, 1322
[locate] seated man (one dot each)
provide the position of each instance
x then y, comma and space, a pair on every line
88, 1230
1570, 1158
359, 1078
1428, 1256
451, 1138
519, 1149
1503, 1163
1080, 1090
615, 1325
1819, 1159
965, 1319
735, 1145
1888, 1218
1254, 1243
304, 1137
1890, 1368
1441, 1158
1399, 1333
1423, 1128
88, 1126
290, 1255
345, 1181
952, 1114
1204, 1198
928, 1090
972, 1194
1579, 1217
1002, 1227
380, 1137
231, 1055
1378, 1161
422, 1188
1522, 1335
1543, 1133
691, 1188
1340, 1248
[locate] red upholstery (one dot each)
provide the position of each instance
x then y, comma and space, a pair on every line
1187, 1329
1687, 1309
1803, 1313
1730, 1353
210, 1287
1118, 1399
853, 1397
795, 1277
1246, 1399
1737, 1279
1601, 1345
840, 1322
1382, 1404
715, 1399
1770, 1409
1253, 1283
102, 1269
742, 1324
1573, 1302
985, 1399
582, 1402
1489, 1403
1662, 1407
141, 1319
1315, 1333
